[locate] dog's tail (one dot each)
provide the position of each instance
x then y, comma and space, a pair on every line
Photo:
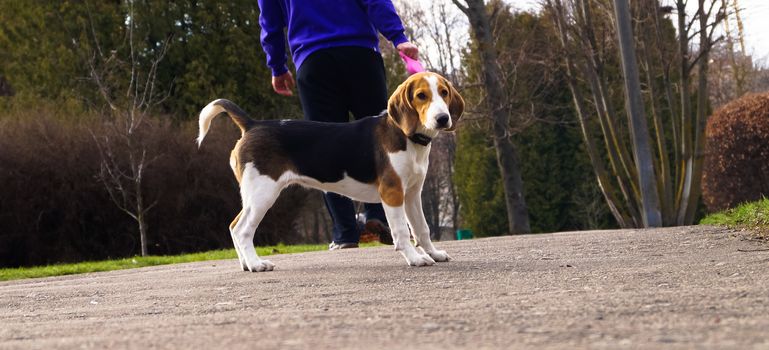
216, 107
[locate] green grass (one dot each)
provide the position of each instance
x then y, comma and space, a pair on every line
138, 261
752, 216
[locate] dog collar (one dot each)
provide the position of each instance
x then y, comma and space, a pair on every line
421, 139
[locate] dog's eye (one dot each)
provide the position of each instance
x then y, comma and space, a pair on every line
444, 93
421, 96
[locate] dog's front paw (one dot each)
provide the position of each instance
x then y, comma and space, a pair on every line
262, 265
439, 255
420, 260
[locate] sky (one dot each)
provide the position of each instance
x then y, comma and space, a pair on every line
755, 17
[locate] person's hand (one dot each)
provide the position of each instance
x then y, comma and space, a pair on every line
283, 84
409, 49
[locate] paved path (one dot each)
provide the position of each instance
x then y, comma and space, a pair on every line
695, 287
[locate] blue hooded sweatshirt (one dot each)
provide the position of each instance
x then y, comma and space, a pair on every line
319, 24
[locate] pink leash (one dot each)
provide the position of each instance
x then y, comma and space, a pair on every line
412, 66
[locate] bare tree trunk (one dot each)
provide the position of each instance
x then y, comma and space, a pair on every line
676, 178
507, 160
700, 119
140, 207
739, 69
619, 158
665, 188
452, 200
517, 213
129, 110
602, 175
685, 164
142, 234
694, 131
639, 130
597, 164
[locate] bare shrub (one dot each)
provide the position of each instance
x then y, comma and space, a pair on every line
53, 209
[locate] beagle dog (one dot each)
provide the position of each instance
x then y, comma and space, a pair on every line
376, 159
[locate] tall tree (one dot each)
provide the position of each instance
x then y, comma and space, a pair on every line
124, 154
552, 163
216, 52
498, 110
650, 211
436, 28
738, 58
38, 54
669, 62
478, 183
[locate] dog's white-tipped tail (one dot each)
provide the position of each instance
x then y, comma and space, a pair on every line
206, 116
238, 116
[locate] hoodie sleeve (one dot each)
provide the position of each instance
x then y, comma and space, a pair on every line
273, 40
385, 19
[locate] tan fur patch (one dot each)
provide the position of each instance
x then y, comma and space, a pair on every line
421, 97
390, 187
237, 168
235, 220
400, 109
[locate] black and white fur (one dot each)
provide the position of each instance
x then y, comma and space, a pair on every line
376, 159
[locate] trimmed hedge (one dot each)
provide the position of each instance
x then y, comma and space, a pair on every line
54, 209
736, 165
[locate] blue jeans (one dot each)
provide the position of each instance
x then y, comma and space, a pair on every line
342, 210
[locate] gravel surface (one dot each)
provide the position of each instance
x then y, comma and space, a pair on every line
691, 287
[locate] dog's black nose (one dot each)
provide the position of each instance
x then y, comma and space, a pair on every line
442, 120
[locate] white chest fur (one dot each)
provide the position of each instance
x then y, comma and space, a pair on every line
411, 164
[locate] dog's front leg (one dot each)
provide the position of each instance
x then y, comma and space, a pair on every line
419, 228
396, 218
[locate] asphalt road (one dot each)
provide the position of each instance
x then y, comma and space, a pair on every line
693, 287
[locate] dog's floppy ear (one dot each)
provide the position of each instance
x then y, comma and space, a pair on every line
401, 110
456, 106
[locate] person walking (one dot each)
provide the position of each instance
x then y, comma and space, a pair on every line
334, 45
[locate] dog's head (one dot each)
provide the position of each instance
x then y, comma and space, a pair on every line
426, 102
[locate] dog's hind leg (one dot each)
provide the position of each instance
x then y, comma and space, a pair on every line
259, 193
419, 227
235, 241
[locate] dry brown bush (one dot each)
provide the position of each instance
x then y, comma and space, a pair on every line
53, 208
736, 168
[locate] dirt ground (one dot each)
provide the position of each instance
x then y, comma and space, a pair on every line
692, 287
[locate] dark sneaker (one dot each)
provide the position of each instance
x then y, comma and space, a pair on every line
368, 237
379, 229
336, 246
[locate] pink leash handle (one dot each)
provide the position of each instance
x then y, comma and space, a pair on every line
412, 66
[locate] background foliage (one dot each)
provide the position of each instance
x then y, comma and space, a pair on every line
53, 208
559, 187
